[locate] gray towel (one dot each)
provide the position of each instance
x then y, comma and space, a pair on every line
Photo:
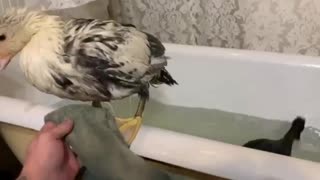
101, 148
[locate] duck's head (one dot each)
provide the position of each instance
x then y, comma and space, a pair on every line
17, 27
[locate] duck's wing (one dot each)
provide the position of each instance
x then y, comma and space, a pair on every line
113, 53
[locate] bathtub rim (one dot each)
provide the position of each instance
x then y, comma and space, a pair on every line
256, 56
150, 139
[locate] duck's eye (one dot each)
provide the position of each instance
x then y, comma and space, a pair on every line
2, 37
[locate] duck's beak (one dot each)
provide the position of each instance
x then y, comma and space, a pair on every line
4, 62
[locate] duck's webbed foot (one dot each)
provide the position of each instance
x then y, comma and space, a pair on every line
129, 127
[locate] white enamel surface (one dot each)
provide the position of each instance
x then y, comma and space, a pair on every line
22, 113
219, 158
256, 83
261, 84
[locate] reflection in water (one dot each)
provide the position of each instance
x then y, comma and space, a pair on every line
219, 125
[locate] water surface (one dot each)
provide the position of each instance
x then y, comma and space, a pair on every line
219, 125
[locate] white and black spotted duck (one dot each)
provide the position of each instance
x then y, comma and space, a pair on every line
84, 59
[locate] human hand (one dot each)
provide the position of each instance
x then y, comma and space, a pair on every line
48, 157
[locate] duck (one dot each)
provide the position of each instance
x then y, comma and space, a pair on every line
281, 146
91, 60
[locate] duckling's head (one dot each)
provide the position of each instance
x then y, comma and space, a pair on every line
17, 26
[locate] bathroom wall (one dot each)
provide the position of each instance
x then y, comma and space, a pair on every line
290, 26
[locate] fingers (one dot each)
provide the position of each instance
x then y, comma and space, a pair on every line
62, 129
73, 160
47, 126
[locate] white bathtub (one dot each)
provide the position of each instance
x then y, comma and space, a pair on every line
261, 84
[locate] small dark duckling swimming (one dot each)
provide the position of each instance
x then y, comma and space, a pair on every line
282, 146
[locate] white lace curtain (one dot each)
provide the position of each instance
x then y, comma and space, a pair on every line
66, 8
47, 4
290, 26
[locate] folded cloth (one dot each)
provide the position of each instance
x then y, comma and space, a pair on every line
101, 148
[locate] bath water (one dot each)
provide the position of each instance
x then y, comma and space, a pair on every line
218, 125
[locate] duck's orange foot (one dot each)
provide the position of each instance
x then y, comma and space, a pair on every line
129, 127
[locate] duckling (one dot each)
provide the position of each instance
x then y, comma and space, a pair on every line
85, 59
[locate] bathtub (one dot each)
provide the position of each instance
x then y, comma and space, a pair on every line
261, 84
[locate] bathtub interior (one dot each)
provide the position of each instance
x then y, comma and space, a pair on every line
225, 95
223, 126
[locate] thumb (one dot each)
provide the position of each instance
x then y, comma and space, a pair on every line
47, 126
62, 129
